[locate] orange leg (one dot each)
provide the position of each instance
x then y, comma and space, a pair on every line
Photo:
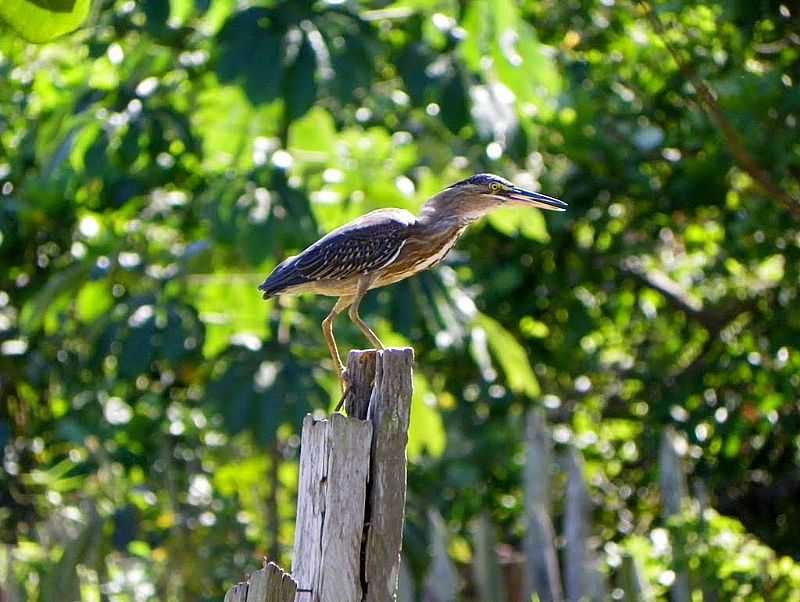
363, 287
327, 330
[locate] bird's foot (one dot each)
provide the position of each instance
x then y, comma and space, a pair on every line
344, 380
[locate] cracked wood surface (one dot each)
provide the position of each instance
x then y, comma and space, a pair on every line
334, 465
270, 584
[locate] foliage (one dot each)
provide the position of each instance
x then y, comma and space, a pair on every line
155, 164
43, 20
725, 561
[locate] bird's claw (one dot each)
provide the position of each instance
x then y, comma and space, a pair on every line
345, 382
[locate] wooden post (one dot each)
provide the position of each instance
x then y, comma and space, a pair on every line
389, 412
541, 564
576, 528
485, 568
270, 584
632, 582
351, 497
582, 577
441, 583
334, 464
674, 492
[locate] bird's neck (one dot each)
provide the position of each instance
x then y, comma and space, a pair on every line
444, 211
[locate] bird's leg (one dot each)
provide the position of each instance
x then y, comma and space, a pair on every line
327, 330
363, 287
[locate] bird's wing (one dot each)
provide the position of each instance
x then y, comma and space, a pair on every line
370, 243
366, 244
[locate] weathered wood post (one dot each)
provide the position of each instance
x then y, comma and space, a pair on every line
442, 582
541, 566
270, 584
582, 577
632, 582
351, 493
674, 493
351, 496
486, 570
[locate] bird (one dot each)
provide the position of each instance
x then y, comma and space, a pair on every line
388, 245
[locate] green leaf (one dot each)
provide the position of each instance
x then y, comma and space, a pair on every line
229, 124
227, 305
60, 287
426, 430
40, 21
300, 83
251, 51
181, 11
512, 221
56, 6
495, 29
94, 300
511, 356
314, 133
772, 268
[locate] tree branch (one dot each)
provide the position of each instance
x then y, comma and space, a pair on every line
735, 143
712, 319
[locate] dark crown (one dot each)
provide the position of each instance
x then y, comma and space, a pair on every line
481, 179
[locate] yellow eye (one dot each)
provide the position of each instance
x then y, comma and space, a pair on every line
494, 186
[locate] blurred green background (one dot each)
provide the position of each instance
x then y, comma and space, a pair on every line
157, 163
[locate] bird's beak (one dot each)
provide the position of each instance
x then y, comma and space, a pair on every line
535, 199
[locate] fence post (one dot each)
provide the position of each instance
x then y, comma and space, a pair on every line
388, 410
442, 582
673, 493
485, 568
632, 582
351, 493
583, 578
331, 498
351, 497
576, 529
541, 564
270, 584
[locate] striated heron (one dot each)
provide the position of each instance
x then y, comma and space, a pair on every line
388, 245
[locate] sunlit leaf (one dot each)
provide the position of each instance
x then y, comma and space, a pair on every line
496, 30
61, 287
530, 223
511, 357
228, 305
94, 300
228, 125
315, 132
426, 433
44, 20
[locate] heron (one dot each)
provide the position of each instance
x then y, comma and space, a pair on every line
388, 245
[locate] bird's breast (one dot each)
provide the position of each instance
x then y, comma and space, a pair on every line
420, 252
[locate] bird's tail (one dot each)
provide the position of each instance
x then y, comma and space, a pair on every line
265, 290
274, 286
282, 277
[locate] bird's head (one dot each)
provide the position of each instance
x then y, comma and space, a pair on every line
477, 195
494, 190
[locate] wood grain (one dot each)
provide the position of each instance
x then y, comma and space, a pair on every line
389, 412
269, 584
542, 575
334, 466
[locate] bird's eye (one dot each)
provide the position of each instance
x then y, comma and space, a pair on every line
494, 186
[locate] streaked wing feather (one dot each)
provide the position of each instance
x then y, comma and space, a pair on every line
354, 251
